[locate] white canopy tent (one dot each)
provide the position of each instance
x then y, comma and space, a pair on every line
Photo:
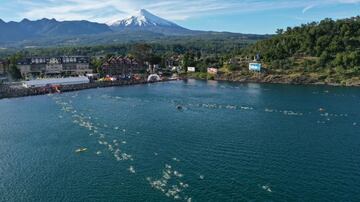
56, 81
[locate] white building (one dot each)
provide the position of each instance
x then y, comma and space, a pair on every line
56, 81
67, 65
256, 67
191, 69
212, 70
54, 66
176, 69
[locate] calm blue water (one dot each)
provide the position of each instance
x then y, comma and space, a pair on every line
230, 142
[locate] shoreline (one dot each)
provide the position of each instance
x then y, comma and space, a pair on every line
7, 92
277, 79
288, 83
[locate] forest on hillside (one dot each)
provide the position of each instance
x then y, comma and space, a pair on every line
315, 46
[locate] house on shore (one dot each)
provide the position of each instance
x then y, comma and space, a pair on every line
123, 67
212, 70
173, 63
255, 67
191, 69
55, 66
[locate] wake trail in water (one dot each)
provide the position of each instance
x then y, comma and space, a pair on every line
169, 184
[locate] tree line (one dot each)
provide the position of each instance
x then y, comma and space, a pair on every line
315, 46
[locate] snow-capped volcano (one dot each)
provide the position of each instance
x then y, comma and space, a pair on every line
146, 21
141, 19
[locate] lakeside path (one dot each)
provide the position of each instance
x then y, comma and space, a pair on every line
7, 91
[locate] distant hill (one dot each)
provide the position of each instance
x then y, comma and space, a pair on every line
142, 27
131, 37
32, 30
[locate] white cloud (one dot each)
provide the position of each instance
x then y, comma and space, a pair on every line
107, 10
307, 8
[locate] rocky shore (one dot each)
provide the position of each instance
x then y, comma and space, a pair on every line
7, 91
295, 79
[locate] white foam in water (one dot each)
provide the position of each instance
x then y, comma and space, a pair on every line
246, 108
84, 121
132, 170
170, 187
269, 110
266, 188
321, 122
175, 159
110, 147
167, 175
184, 185
231, 107
291, 113
177, 174
126, 156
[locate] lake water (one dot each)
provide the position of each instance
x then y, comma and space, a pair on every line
229, 142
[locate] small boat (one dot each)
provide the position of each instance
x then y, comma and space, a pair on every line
81, 150
179, 107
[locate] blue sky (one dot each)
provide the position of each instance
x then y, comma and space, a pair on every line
245, 16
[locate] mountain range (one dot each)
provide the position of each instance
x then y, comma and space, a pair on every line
140, 27
30, 30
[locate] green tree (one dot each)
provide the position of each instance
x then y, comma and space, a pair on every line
14, 72
96, 65
155, 59
141, 52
